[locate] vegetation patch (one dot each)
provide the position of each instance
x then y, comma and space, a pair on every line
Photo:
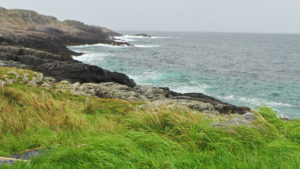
89, 132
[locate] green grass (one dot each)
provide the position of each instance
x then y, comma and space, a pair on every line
87, 132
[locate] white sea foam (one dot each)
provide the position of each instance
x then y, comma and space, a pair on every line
192, 87
91, 57
113, 46
124, 39
146, 46
160, 37
270, 103
256, 101
101, 45
230, 97
201, 88
130, 37
146, 76
150, 78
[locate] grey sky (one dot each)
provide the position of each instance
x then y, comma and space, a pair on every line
281, 16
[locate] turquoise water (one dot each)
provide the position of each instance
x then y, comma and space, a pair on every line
242, 69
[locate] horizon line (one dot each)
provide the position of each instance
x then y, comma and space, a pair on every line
195, 31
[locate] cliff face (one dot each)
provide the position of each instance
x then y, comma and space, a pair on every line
19, 26
39, 42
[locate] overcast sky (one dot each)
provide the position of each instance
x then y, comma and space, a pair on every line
280, 16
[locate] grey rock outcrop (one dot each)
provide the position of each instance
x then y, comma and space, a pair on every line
198, 102
194, 101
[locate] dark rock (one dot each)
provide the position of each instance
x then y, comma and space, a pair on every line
23, 156
192, 100
38, 42
32, 30
75, 71
6, 161
11, 63
26, 155
61, 69
143, 35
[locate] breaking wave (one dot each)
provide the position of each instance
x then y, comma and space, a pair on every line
256, 101
114, 46
92, 57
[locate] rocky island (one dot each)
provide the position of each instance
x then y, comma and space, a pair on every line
56, 111
143, 35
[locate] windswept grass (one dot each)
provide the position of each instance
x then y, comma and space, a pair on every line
87, 132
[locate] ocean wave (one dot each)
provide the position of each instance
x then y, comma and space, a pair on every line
256, 101
91, 57
146, 46
112, 46
100, 45
124, 39
130, 37
145, 77
230, 97
151, 78
160, 37
200, 88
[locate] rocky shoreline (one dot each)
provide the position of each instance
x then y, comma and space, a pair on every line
39, 43
196, 101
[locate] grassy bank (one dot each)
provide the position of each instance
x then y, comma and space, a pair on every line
87, 132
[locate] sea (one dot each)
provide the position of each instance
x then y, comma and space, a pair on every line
239, 68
